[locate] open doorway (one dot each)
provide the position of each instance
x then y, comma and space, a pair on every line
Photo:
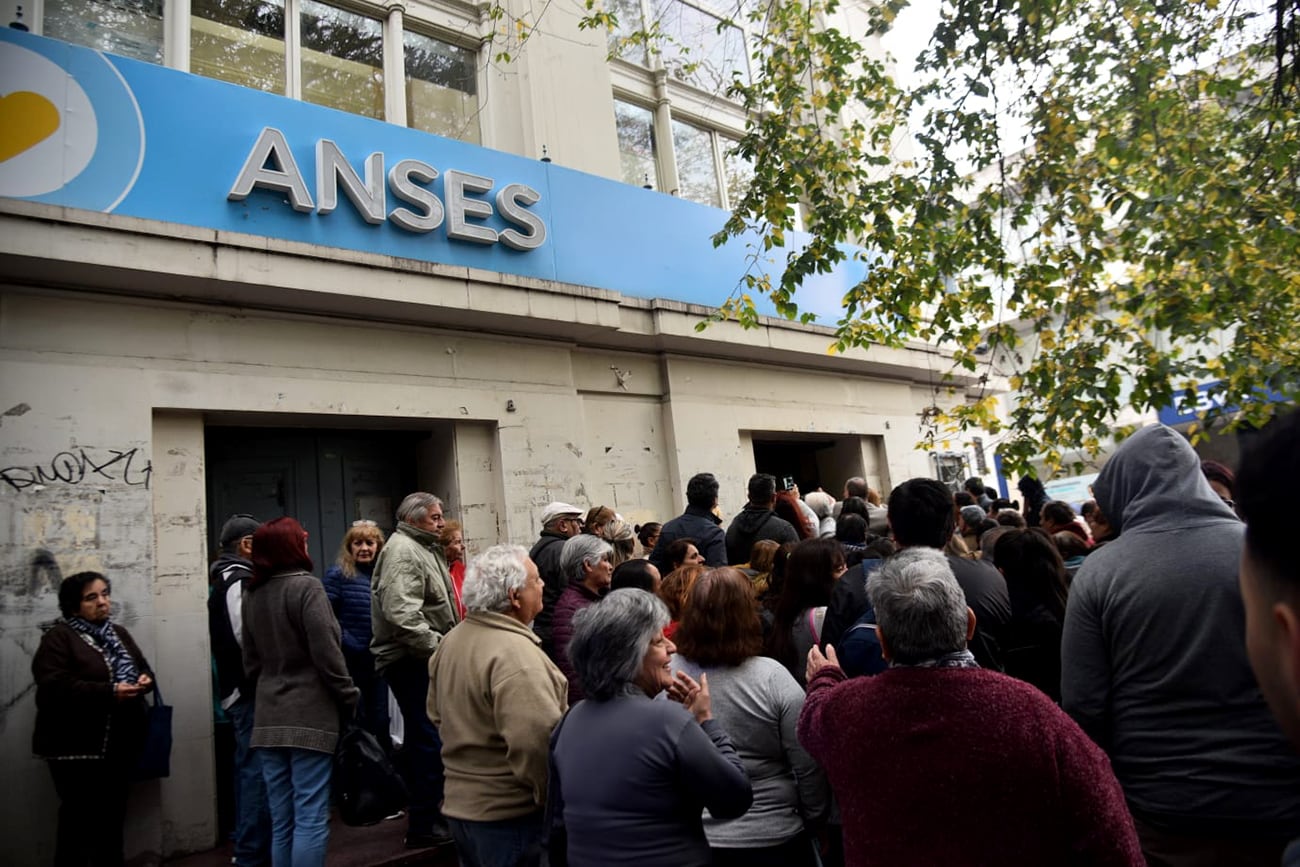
815, 461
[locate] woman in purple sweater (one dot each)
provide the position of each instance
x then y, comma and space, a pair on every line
937, 761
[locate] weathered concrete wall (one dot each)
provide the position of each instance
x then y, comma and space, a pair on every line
102, 450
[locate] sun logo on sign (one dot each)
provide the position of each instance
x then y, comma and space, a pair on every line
70, 129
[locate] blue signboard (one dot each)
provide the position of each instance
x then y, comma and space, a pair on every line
87, 130
1207, 399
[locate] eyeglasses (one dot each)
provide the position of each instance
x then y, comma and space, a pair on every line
364, 523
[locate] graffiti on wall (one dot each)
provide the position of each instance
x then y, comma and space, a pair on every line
83, 465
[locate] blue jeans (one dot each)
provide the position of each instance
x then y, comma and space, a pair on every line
298, 790
252, 817
504, 843
409, 680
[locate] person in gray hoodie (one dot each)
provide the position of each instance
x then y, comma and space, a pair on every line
1154, 666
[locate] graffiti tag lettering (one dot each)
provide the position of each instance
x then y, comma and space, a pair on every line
82, 466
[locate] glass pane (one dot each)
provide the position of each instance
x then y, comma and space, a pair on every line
739, 171
131, 28
696, 52
636, 144
240, 41
628, 13
697, 173
342, 60
441, 87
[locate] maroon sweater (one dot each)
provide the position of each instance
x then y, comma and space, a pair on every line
962, 766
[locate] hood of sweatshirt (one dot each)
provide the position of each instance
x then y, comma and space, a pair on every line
1153, 483
751, 518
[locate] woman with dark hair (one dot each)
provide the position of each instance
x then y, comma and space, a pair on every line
1221, 479
851, 533
631, 777
648, 535
637, 572
347, 586
810, 572
1035, 498
293, 653
1036, 584
758, 703
684, 552
91, 679
787, 508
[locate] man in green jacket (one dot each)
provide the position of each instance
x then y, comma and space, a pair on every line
412, 607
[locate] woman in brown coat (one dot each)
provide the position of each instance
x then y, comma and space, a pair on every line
90, 719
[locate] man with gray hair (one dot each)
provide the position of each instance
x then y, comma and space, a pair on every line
928, 758
495, 697
412, 607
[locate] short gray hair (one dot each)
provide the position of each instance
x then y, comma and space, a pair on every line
415, 507
612, 637
919, 605
582, 548
491, 576
820, 502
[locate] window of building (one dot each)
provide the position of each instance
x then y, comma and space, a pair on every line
441, 87
240, 41
131, 28
701, 48
636, 144
333, 56
697, 164
342, 59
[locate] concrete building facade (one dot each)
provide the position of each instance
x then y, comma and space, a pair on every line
176, 348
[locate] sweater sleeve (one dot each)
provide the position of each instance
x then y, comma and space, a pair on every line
326, 652
814, 793
526, 709
1098, 826
711, 771
252, 659
1085, 665
815, 720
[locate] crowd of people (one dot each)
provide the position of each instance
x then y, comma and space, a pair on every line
932, 677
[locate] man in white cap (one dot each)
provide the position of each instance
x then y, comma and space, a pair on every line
560, 522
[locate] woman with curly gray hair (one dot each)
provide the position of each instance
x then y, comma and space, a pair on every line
631, 777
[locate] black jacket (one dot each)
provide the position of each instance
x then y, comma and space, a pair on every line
986, 594
755, 524
546, 554
226, 578
695, 523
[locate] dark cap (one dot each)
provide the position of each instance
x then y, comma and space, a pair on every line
237, 527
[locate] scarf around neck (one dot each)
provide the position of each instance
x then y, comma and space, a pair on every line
105, 638
956, 659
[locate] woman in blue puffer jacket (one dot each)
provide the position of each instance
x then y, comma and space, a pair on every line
347, 584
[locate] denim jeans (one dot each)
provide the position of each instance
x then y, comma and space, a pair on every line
252, 816
409, 680
504, 843
298, 791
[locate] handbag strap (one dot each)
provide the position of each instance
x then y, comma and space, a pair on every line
812, 624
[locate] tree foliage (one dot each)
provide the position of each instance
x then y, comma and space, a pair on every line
1100, 202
